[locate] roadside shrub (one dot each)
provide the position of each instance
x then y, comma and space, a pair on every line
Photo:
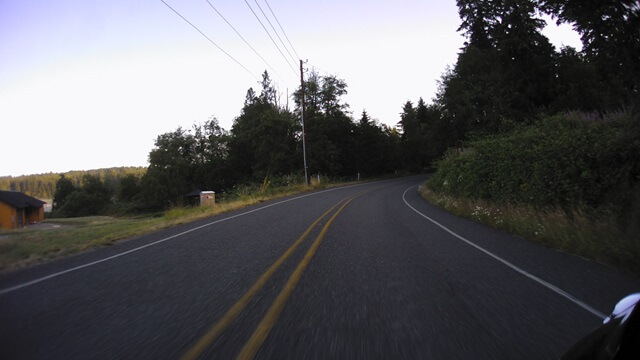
89, 199
565, 161
584, 166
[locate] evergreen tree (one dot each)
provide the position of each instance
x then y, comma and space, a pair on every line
610, 33
367, 146
185, 160
329, 129
91, 198
129, 188
411, 138
577, 86
504, 73
263, 141
64, 187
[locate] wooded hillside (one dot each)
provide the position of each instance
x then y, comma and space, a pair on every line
43, 186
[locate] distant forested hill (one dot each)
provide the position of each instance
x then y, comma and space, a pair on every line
43, 186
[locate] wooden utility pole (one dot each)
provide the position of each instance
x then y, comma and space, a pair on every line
304, 145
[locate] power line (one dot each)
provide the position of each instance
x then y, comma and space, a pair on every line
274, 30
211, 41
273, 41
241, 37
285, 34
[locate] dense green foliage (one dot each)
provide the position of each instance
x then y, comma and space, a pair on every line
507, 82
377, 147
90, 198
579, 176
182, 161
425, 135
531, 127
508, 73
563, 161
610, 33
498, 101
263, 141
264, 146
336, 144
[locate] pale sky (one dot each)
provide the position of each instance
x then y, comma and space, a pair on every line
91, 84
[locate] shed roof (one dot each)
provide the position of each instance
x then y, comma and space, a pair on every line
19, 200
194, 193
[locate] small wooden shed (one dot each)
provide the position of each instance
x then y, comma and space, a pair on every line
207, 198
198, 197
17, 210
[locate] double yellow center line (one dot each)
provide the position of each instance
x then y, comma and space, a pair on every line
252, 346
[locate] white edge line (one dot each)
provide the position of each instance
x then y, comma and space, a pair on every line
41, 279
549, 286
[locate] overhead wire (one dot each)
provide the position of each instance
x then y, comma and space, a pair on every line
270, 37
284, 32
211, 41
275, 31
241, 37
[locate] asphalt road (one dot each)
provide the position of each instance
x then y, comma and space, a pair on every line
370, 271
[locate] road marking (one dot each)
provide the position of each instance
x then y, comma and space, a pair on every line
546, 284
54, 275
252, 346
237, 308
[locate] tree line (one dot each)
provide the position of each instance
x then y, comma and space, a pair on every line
529, 125
42, 186
507, 76
264, 145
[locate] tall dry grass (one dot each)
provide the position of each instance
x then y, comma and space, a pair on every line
24, 247
577, 232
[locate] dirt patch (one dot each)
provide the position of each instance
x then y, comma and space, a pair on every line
43, 226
